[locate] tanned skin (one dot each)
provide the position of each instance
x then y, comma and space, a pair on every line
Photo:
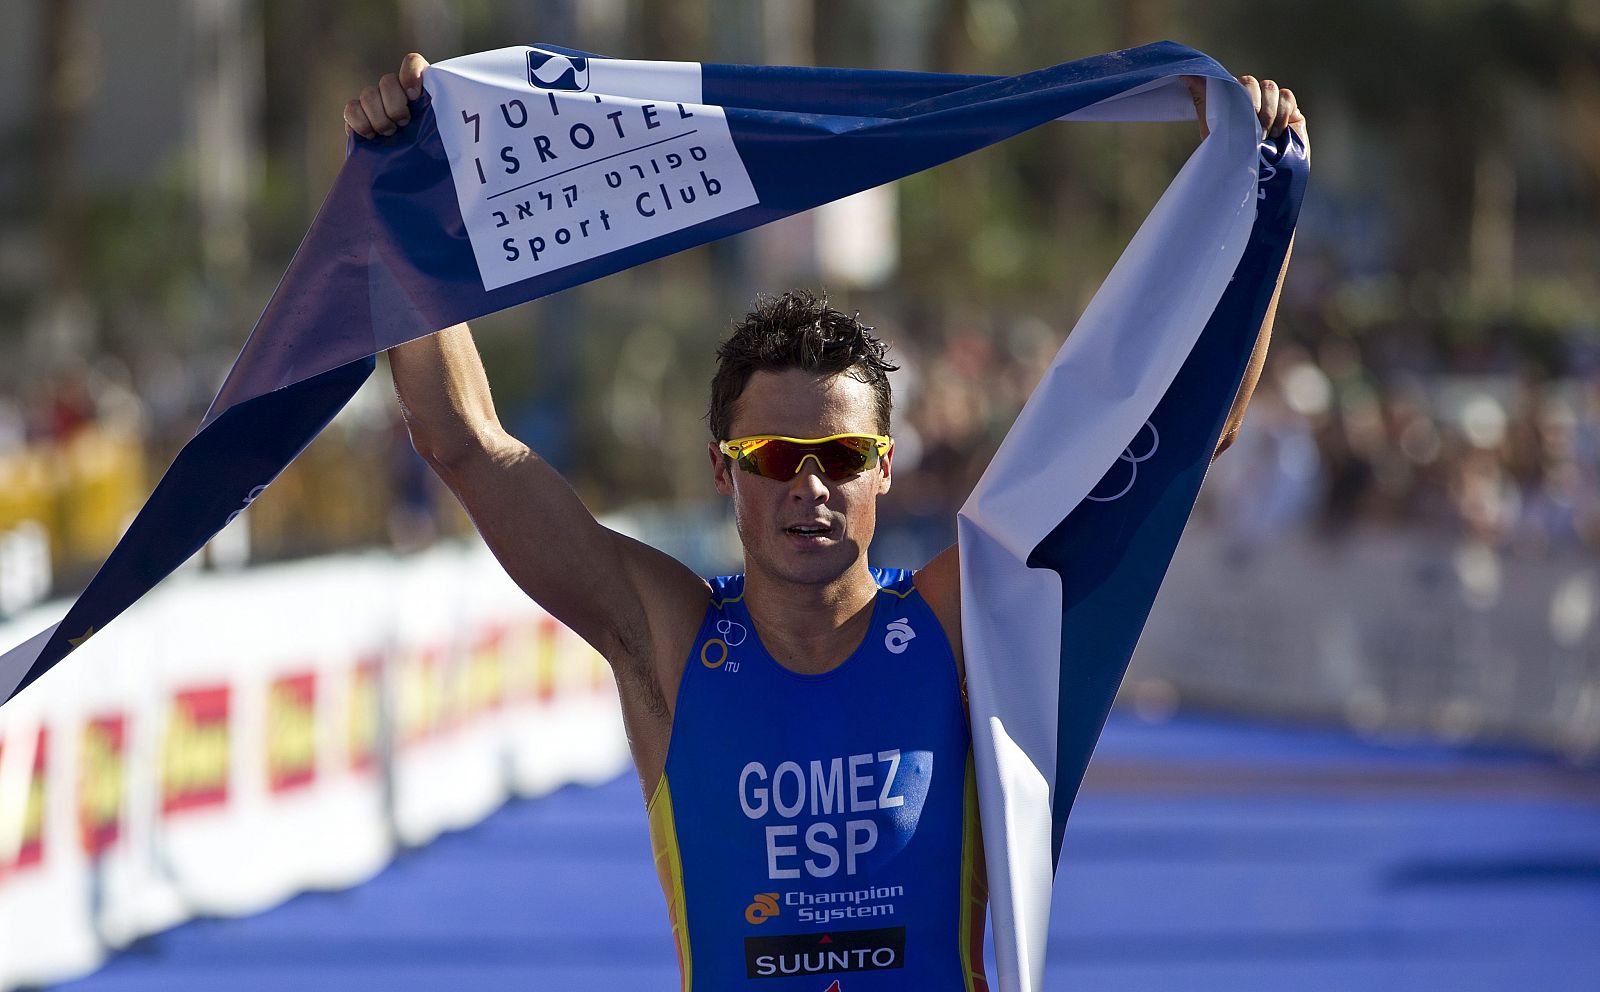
810, 597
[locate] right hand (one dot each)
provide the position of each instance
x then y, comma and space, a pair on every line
1276, 107
384, 108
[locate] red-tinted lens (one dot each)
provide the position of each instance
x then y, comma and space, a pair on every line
840, 458
772, 459
846, 456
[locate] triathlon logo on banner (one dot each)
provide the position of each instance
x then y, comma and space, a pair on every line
572, 172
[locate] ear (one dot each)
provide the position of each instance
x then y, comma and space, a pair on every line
721, 476
884, 465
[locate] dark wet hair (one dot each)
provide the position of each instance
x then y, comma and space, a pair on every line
797, 330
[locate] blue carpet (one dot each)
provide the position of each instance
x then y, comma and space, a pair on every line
1203, 855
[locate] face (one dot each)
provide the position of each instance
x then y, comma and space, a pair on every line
795, 403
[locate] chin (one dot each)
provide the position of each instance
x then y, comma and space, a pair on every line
809, 569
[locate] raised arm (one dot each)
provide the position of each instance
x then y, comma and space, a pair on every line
1278, 110
939, 581
608, 588
636, 605
1252, 371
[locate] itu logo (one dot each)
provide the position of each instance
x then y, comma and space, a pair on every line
763, 908
732, 631
249, 497
1135, 454
549, 71
899, 636
714, 653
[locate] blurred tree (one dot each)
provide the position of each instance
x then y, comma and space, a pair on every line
1455, 90
1456, 197
68, 83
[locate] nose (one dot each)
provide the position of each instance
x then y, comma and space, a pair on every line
809, 484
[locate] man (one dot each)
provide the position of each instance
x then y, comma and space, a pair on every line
799, 731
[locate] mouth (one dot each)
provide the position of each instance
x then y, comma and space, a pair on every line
810, 534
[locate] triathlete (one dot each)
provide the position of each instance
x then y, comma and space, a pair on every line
799, 730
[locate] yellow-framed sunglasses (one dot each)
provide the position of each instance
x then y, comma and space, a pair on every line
838, 456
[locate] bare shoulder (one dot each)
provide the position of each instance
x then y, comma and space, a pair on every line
672, 601
939, 582
658, 628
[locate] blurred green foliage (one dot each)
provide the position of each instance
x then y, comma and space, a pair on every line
1455, 210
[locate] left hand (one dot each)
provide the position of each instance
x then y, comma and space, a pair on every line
382, 108
1276, 106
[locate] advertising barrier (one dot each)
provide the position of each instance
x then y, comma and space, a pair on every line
1401, 635
242, 737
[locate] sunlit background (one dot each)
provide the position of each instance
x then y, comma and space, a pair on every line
1396, 563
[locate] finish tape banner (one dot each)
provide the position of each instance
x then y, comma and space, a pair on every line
1061, 557
529, 170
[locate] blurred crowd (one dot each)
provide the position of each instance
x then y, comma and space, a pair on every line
1510, 461
56, 409
1334, 441
82, 446
956, 395
137, 259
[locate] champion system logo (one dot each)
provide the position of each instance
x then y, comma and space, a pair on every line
899, 636
763, 908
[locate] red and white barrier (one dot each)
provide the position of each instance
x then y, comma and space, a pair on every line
235, 739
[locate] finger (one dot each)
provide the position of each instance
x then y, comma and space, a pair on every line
394, 99
1196, 85
1287, 109
411, 69
1267, 113
372, 103
355, 118
1252, 86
